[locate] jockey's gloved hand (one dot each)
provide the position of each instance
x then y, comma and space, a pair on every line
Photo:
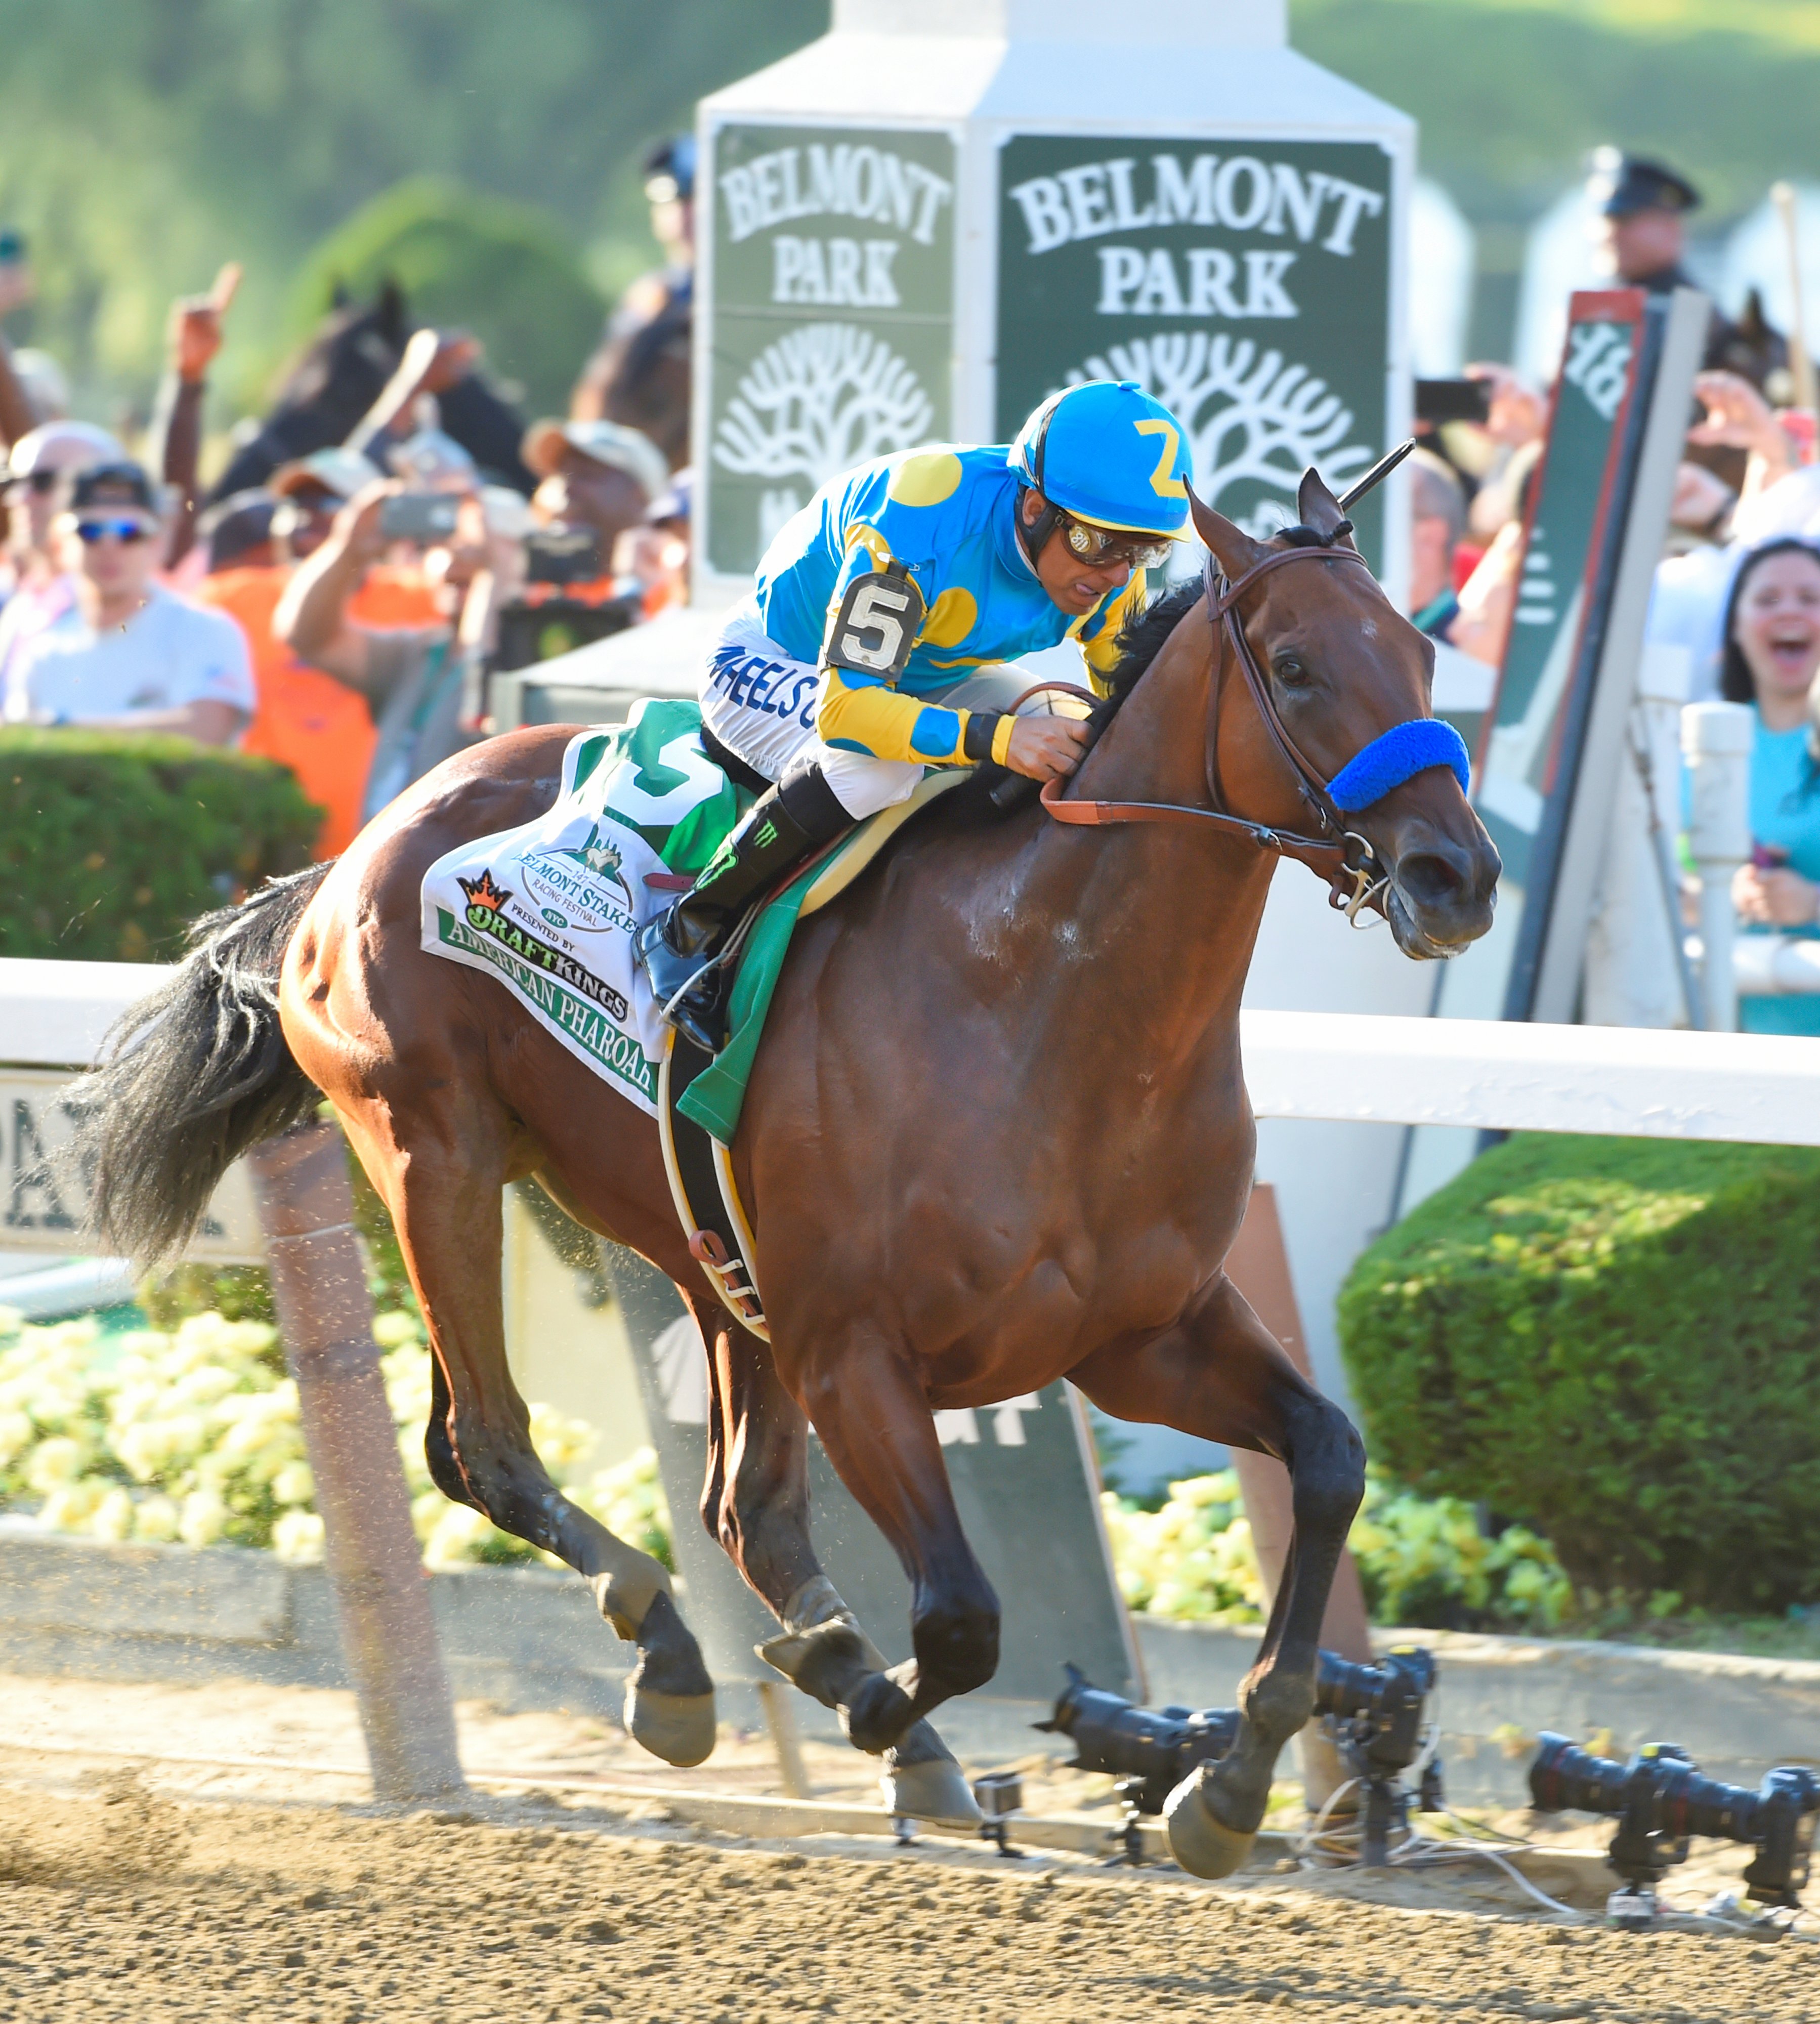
1047, 748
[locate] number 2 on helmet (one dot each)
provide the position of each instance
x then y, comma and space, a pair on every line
1163, 481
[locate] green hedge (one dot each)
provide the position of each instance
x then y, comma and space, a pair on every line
1617, 1342
111, 843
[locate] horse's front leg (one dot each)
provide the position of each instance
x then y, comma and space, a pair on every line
869, 1408
755, 1503
1219, 1373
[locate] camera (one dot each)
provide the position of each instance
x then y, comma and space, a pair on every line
1661, 1801
1150, 1750
419, 516
1375, 1714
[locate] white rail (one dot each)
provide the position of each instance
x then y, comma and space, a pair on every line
1484, 1074
1623, 1080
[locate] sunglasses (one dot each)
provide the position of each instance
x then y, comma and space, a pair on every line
124, 531
1104, 551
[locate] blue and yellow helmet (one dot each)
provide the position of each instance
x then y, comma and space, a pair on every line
1106, 452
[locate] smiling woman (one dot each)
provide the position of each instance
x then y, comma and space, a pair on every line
1772, 656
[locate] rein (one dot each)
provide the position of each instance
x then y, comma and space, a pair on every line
1352, 886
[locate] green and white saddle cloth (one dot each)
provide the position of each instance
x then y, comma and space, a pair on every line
551, 908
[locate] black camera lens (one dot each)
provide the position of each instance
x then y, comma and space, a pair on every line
1156, 1747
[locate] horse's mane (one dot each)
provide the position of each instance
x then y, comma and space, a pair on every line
1141, 637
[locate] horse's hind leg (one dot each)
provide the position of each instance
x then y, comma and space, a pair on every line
442, 1179
1221, 1374
755, 1502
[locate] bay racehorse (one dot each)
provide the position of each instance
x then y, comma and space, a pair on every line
998, 1135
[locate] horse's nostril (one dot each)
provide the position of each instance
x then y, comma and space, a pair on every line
1429, 879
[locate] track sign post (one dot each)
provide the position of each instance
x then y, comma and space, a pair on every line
1553, 741
919, 225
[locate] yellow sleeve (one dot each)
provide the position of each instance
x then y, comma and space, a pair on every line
1099, 634
856, 713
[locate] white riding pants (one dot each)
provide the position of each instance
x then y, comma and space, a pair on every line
761, 704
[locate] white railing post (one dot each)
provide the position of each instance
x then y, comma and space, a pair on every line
1716, 741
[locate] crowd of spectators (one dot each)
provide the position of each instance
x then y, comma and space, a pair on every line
335, 598
1736, 600
391, 531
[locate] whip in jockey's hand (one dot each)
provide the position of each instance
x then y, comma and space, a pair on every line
876, 641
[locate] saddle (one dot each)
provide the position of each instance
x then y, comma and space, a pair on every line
700, 1096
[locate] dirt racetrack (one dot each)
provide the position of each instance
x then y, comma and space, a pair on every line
119, 1901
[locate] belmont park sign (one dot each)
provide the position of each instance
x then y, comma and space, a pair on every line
922, 224
1246, 289
833, 316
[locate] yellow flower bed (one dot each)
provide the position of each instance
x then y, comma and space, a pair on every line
1421, 1560
194, 1436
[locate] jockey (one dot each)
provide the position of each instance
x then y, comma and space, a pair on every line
874, 645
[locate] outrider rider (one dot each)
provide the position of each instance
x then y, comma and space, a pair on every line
874, 645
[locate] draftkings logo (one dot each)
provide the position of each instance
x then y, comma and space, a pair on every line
486, 916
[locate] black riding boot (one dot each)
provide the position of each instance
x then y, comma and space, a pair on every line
780, 829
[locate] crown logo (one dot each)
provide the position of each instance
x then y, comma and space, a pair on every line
482, 892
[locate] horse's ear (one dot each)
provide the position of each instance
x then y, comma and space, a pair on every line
1234, 550
391, 308
1316, 506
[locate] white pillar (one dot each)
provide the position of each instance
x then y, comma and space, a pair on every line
923, 223
1716, 741
1633, 965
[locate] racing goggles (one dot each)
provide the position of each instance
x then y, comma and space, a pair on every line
1094, 545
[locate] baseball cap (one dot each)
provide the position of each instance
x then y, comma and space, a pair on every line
118, 484
608, 443
62, 446
342, 471
237, 524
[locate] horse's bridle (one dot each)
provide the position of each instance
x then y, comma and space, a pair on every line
1352, 884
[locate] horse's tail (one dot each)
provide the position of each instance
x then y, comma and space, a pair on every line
192, 1076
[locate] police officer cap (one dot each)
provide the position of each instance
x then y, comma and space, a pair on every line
669, 169
1622, 184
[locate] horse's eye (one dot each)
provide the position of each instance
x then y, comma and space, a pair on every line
1290, 672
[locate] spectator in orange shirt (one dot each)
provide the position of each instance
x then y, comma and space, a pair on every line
306, 720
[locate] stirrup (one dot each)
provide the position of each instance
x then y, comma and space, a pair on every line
698, 1011
688, 989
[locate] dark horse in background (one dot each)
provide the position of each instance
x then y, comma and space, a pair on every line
340, 374
997, 1134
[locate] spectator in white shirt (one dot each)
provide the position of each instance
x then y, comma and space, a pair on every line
36, 478
129, 656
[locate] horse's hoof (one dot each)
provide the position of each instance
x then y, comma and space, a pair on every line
878, 1714
678, 1728
1200, 1841
824, 1659
935, 1789
669, 1699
